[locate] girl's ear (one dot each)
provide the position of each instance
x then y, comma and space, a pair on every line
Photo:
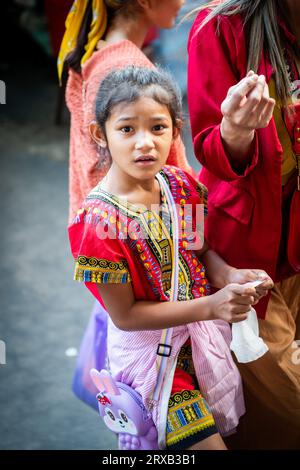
97, 134
177, 129
144, 3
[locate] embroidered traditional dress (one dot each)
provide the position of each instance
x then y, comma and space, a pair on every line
114, 242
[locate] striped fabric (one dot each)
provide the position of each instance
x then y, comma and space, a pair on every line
132, 360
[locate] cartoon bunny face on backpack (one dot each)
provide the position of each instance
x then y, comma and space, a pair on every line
117, 420
123, 412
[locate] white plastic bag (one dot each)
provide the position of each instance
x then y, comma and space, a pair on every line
246, 342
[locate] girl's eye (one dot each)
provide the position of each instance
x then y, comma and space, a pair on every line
158, 127
126, 129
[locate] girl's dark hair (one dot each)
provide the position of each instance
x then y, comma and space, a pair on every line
262, 34
127, 85
114, 7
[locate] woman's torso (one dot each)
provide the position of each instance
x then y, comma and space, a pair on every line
244, 223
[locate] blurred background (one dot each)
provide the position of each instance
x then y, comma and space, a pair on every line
43, 311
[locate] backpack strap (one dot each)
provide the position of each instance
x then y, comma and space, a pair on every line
164, 347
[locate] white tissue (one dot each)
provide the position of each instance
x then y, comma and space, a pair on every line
246, 342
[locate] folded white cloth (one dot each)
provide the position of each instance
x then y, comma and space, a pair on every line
246, 342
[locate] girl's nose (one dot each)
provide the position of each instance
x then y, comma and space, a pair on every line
144, 141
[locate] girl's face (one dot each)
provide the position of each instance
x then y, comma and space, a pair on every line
163, 13
139, 136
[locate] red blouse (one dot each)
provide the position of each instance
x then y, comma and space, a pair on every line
117, 243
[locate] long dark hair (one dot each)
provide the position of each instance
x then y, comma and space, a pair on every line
262, 34
114, 7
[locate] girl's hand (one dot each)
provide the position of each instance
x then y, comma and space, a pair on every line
232, 303
242, 276
247, 107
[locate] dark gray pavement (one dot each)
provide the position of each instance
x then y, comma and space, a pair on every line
43, 311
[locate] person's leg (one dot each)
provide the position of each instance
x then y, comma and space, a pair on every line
290, 289
190, 422
279, 330
214, 442
189, 419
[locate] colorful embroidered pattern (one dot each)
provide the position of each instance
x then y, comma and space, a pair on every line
185, 359
189, 419
101, 271
145, 235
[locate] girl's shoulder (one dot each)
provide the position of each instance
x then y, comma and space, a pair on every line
96, 230
97, 206
184, 187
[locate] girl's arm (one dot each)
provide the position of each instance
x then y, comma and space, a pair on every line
230, 304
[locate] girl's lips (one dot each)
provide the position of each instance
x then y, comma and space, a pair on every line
145, 157
145, 160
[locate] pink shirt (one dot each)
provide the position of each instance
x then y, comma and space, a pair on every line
132, 358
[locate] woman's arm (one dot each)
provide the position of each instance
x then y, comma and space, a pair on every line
217, 270
221, 274
230, 304
223, 143
247, 107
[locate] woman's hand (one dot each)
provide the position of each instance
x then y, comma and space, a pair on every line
247, 107
242, 276
232, 303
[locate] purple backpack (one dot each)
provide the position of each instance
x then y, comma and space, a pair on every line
134, 427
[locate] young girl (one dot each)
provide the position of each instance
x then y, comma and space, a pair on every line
122, 241
101, 36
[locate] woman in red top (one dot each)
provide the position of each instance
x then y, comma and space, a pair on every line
243, 58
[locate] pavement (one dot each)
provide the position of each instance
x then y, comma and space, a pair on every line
43, 311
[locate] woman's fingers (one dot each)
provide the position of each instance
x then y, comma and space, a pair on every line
262, 111
256, 97
236, 95
263, 276
264, 101
248, 104
239, 318
244, 299
254, 91
239, 309
266, 93
267, 113
242, 289
241, 84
